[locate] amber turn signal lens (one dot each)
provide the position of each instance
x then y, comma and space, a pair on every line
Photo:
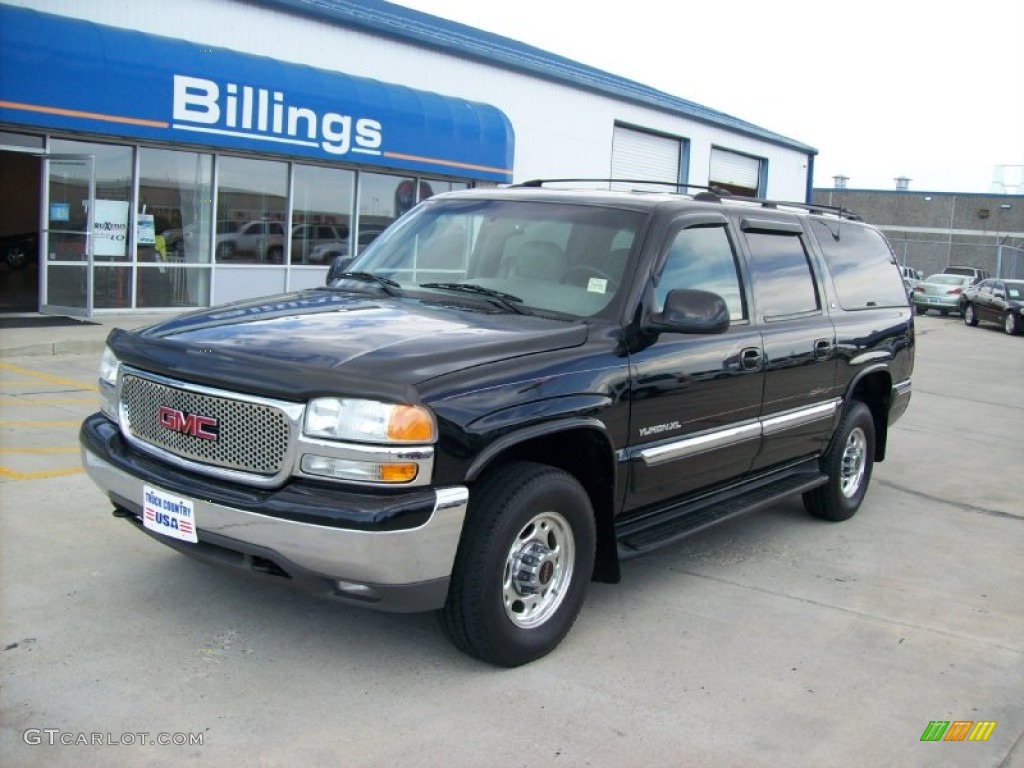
410, 424
397, 473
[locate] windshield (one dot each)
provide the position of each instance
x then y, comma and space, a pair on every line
547, 257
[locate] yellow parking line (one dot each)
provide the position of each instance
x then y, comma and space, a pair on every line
10, 473
45, 451
39, 423
23, 400
46, 377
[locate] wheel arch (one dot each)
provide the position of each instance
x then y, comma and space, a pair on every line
581, 447
873, 387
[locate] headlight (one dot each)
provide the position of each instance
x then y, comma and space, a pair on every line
109, 368
368, 421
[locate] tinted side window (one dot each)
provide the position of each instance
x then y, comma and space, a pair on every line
702, 258
861, 265
783, 282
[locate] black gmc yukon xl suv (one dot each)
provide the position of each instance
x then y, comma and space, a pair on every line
511, 391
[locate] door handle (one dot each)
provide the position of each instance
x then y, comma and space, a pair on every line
822, 348
750, 359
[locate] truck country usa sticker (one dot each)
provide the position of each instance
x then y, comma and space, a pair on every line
263, 114
167, 514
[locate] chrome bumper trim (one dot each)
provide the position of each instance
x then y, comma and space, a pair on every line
383, 557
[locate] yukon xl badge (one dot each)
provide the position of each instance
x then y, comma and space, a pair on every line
203, 427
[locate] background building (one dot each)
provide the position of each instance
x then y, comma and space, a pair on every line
173, 155
931, 230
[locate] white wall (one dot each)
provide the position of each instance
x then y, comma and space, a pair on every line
560, 131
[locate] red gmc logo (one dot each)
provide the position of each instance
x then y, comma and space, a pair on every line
192, 424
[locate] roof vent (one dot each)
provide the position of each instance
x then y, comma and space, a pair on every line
902, 183
840, 181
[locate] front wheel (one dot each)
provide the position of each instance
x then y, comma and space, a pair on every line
847, 464
1010, 323
970, 317
920, 309
523, 565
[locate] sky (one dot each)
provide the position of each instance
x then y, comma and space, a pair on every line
931, 91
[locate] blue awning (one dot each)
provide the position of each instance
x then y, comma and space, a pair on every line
63, 74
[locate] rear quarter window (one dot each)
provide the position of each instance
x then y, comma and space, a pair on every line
863, 267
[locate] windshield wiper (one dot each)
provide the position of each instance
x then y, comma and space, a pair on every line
506, 300
386, 283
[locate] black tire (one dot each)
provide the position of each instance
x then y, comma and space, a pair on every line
1011, 324
847, 463
970, 316
275, 255
920, 310
944, 312
226, 252
529, 527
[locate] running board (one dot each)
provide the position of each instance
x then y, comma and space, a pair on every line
666, 525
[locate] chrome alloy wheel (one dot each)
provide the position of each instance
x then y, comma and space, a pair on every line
538, 570
854, 463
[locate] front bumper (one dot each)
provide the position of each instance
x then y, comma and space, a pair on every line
388, 551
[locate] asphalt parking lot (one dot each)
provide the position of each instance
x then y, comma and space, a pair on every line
774, 640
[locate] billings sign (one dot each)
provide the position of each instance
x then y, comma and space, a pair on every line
71, 75
263, 114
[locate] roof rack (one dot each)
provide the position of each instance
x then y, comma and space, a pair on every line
673, 184
713, 194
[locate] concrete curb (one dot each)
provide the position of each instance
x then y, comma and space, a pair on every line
77, 339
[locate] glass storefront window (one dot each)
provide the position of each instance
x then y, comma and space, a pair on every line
175, 207
382, 199
172, 285
321, 213
175, 221
431, 187
251, 208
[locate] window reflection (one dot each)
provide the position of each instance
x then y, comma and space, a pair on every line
252, 198
69, 187
321, 213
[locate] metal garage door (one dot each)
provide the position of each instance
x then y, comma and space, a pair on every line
740, 174
641, 155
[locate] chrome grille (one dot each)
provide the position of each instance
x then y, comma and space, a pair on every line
252, 437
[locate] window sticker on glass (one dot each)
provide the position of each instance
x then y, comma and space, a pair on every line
597, 285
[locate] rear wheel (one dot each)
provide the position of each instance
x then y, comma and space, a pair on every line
1011, 324
847, 464
970, 318
920, 310
523, 565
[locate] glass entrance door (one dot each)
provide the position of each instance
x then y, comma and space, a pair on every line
68, 226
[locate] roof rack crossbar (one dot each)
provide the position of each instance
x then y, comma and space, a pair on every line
711, 193
673, 184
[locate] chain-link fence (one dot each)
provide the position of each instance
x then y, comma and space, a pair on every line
933, 253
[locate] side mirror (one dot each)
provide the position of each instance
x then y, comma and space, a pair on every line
691, 311
339, 266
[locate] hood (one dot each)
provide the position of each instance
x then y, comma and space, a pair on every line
320, 343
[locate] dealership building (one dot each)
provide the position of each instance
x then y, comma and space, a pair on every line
172, 155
